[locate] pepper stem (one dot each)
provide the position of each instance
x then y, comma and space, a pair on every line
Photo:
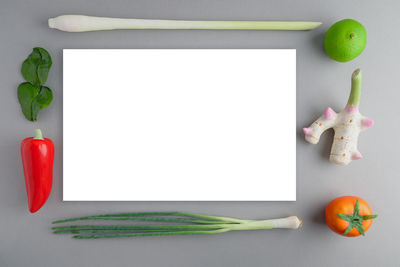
354, 98
38, 134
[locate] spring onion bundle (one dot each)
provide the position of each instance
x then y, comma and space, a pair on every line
79, 23
173, 223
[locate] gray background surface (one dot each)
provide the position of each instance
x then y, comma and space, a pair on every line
26, 240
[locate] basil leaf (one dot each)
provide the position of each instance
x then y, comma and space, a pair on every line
42, 100
32, 95
35, 69
44, 66
26, 93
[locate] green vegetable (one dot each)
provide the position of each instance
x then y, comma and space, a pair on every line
79, 23
184, 224
33, 95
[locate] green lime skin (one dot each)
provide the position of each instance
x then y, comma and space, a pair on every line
345, 40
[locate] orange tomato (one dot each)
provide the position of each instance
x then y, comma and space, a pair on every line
339, 214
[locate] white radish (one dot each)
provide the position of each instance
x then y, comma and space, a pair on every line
79, 23
347, 126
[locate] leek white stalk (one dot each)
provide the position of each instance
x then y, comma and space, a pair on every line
80, 23
189, 224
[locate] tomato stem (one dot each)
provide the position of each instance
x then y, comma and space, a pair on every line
355, 220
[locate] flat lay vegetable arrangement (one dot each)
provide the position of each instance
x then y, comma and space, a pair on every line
348, 216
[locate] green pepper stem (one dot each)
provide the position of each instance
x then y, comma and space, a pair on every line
38, 134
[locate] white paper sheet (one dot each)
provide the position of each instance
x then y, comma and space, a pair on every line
179, 124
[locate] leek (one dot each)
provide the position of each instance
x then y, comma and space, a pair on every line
80, 23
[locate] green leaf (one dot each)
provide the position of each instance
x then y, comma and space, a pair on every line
369, 217
35, 69
349, 228
33, 98
360, 228
29, 67
356, 208
41, 101
44, 66
32, 95
26, 93
346, 217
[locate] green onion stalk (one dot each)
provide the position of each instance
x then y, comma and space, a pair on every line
80, 23
171, 223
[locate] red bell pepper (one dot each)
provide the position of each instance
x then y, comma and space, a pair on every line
37, 159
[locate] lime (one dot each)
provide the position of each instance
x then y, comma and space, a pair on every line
345, 40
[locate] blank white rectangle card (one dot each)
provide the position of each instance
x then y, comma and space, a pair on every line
179, 124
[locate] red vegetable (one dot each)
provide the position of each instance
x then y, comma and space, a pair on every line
37, 159
349, 216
